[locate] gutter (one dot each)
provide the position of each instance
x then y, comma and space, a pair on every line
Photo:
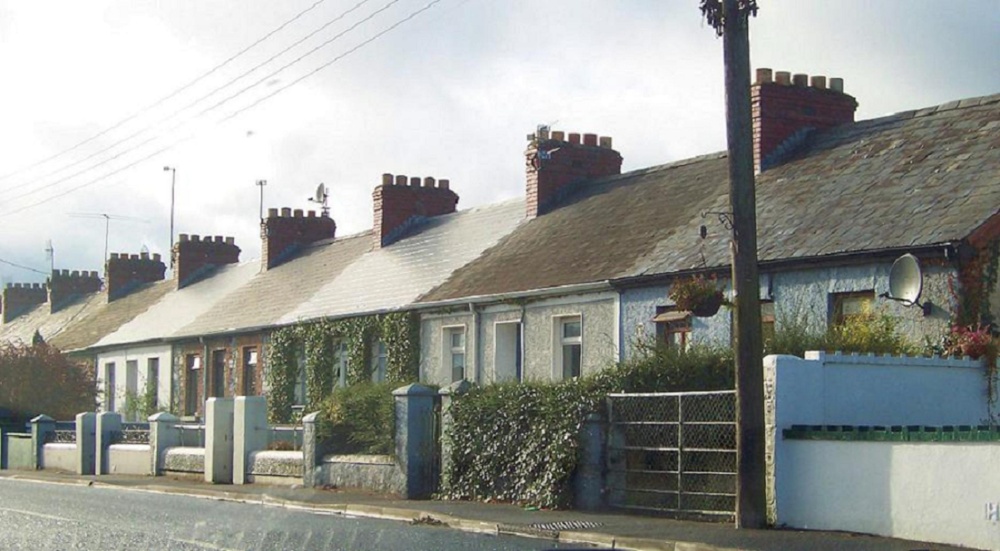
573, 289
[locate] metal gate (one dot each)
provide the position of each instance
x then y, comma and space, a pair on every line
673, 453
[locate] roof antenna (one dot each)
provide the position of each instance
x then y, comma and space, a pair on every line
321, 196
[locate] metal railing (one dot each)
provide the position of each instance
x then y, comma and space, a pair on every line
131, 433
64, 433
191, 435
673, 453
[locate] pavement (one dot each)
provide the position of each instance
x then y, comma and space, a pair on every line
608, 530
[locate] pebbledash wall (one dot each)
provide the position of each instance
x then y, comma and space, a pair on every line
135, 376
940, 491
539, 319
800, 294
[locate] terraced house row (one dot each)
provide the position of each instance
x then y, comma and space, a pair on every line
561, 282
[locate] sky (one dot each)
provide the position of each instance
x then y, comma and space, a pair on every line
98, 97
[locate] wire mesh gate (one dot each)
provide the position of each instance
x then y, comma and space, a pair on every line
673, 453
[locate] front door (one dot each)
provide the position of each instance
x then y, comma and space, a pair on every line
218, 373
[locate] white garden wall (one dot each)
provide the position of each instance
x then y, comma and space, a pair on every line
943, 492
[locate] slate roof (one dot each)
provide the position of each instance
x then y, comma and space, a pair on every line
912, 179
391, 278
179, 307
270, 295
84, 322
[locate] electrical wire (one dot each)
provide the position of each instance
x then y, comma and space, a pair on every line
204, 111
192, 135
166, 98
16, 265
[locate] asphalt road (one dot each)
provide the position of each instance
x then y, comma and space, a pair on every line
40, 516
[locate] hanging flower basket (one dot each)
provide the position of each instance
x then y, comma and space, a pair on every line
698, 295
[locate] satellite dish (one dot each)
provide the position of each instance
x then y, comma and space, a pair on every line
906, 282
320, 196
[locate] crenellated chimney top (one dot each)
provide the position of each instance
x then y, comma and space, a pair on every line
124, 272
65, 286
194, 256
787, 107
18, 298
556, 161
285, 233
402, 201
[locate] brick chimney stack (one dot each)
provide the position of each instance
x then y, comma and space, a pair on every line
555, 161
786, 108
283, 234
124, 272
194, 256
18, 298
401, 201
65, 286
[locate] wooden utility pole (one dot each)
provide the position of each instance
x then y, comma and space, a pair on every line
751, 506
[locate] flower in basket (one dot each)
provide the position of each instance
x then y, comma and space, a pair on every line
699, 295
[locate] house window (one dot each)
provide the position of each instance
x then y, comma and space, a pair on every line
454, 352
109, 386
153, 381
767, 321
192, 364
299, 392
845, 305
340, 362
507, 359
569, 350
673, 327
249, 378
379, 362
132, 378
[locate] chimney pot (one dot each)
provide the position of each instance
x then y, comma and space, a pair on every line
429, 181
230, 241
311, 214
113, 256
415, 181
574, 138
93, 274
218, 239
401, 180
387, 179
286, 212
837, 84
558, 135
184, 237
605, 142
542, 133
764, 75
133, 257
272, 213
800, 79
818, 82
783, 77
157, 257
17, 285
195, 237
144, 256
590, 139
444, 183
298, 213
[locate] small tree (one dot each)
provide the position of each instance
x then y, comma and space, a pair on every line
38, 378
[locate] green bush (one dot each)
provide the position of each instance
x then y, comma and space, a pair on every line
518, 442
872, 332
359, 419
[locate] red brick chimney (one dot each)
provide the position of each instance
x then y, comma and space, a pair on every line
18, 298
555, 162
401, 201
194, 256
788, 107
124, 272
286, 233
65, 286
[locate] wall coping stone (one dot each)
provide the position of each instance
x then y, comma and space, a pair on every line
414, 389
895, 433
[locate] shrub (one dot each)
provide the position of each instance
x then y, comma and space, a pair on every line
518, 442
140, 406
38, 378
872, 332
359, 419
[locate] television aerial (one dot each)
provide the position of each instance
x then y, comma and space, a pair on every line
321, 196
107, 223
906, 282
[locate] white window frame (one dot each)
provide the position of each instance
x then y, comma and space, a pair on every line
449, 350
500, 355
559, 342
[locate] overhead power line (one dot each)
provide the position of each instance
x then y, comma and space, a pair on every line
171, 145
168, 97
162, 120
16, 265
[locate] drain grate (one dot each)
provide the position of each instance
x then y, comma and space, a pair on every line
565, 525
